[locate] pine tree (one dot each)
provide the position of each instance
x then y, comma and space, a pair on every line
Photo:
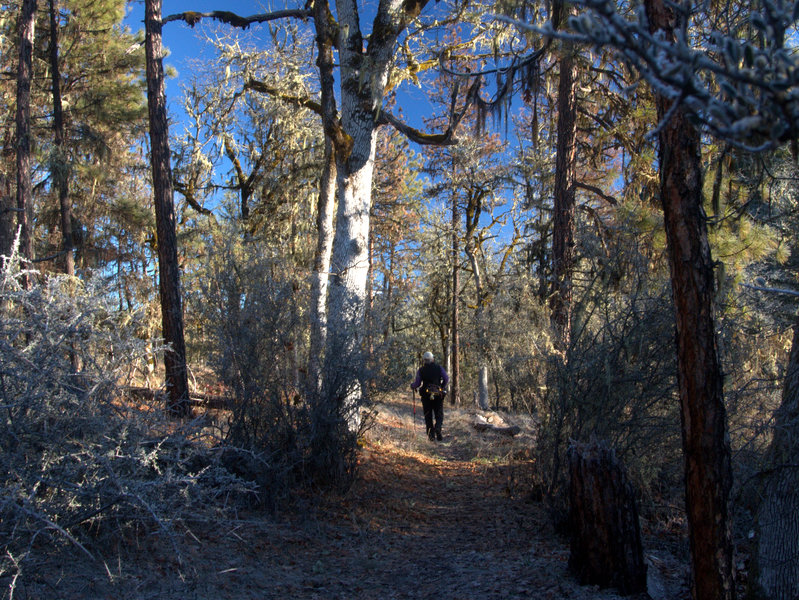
27, 24
708, 472
59, 168
168, 270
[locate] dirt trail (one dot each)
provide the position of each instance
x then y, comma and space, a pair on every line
446, 521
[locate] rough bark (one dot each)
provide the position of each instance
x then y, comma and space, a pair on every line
168, 269
363, 79
563, 213
473, 211
324, 245
708, 473
606, 547
775, 560
59, 165
27, 26
455, 370
8, 217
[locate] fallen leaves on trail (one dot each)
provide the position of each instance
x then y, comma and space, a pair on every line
450, 521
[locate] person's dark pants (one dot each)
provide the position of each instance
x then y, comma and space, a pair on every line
433, 406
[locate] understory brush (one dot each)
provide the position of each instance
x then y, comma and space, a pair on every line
281, 431
81, 463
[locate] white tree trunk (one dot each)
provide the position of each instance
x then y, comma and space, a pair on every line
344, 357
363, 78
324, 249
482, 390
480, 323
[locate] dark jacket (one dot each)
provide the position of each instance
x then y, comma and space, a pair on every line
430, 373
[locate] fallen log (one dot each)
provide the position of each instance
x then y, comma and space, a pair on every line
212, 401
482, 424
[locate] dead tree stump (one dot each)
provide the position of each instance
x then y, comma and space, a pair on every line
606, 545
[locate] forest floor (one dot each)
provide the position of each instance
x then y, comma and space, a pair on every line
441, 520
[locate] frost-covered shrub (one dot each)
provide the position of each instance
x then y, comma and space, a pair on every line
252, 315
80, 460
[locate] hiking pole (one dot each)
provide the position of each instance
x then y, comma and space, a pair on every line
413, 396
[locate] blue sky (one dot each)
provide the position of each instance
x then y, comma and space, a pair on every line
182, 41
184, 44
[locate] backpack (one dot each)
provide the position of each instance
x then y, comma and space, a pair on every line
431, 381
434, 390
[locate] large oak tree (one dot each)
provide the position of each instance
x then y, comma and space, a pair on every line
364, 64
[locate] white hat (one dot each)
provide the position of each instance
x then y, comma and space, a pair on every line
427, 357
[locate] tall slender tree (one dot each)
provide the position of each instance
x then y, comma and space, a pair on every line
8, 199
27, 28
168, 269
8, 203
708, 472
455, 366
59, 165
563, 208
325, 44
324, 247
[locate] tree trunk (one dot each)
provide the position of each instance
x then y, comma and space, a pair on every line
775, 560
27, 26
8, 218
324, 246
455, 371
480, 324
327, 194
388, 293
344, 357
293, 343
168, 270
708, 473
59, 166
563, 217
473, 211
482, 386
606, 547
363, 79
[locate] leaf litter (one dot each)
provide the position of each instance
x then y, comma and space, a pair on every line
452, 520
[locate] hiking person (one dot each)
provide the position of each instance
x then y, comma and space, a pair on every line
431, 381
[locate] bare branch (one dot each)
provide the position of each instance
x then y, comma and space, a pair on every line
595, 190
301, 101
759, 288
446, 138
187, 191
334, 129
191, 18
